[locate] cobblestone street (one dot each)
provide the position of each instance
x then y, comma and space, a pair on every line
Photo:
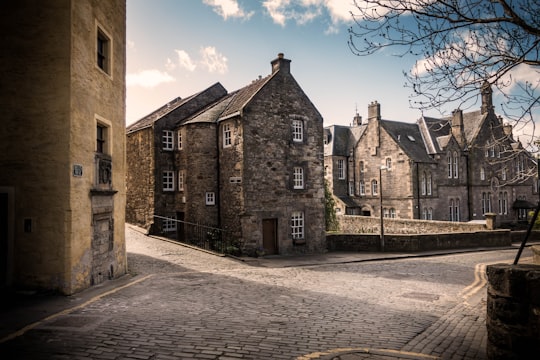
182, 303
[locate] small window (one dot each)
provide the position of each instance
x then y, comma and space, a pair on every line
429, 184
392, 213
298, 178
361, 166
210, 198
449, 162
103, 50
351, 188
179, 139
169, 224
181, 180
101, 139
482, 173
168, 180
388, 164
362, 187
374, 187
456, 165
167, 138
297, 225
298, 130
227, 135
341, 169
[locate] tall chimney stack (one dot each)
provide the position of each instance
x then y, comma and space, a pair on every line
281, 64
374, 111
487, 98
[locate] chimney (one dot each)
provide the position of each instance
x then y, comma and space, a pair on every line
457, 126
507, 128
357, 120
487, 99
374, 111
281, 64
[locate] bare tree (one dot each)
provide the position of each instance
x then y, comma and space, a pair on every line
461, 43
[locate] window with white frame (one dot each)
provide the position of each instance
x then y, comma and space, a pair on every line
167, 139
456, 165
429, 184
503, 203
482, 173
486, 202
297, 130
457, 213
388, 164
169, 224
298, 177
362, 187
297, 225
423, 186
351, 188
451, 210
386, 213
449, 162
341, 169
227, 135
503, 173
374, 187
179, 139
181, 180
392, 213
210, 198
168, 180
430, 214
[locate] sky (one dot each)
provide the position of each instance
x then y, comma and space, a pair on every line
176, 48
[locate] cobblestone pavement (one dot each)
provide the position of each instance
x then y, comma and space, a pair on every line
181, 303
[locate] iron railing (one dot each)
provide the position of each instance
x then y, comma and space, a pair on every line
202, 236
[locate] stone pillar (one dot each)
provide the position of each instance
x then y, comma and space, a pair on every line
513, 311
490, 220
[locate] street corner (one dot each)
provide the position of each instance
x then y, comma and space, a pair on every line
365, 353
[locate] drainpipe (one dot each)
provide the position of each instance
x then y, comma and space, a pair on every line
417, 191
468, 179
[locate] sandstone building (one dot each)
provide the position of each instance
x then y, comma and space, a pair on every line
456, 169
249, 162
62, 144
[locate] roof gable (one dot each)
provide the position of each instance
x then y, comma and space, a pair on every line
408, 138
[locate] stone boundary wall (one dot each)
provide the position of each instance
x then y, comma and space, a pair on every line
513, 308
355, 224
417, 242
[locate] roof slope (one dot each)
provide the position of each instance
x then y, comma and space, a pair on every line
409, 138
242, 97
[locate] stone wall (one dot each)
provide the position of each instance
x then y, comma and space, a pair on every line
513, 311
418, 242
371, 225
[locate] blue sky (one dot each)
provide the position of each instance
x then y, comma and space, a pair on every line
180, 47
176, 48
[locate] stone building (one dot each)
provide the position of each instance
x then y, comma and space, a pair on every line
62, 144
456, 168
249, 162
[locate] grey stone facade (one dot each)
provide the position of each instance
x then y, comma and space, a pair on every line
249, 162
455, 169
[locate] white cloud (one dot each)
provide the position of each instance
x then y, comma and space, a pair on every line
305, 11
213, 61
148, 78
228, 8
170, 65
184, 60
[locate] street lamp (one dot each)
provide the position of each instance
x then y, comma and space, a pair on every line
381, 168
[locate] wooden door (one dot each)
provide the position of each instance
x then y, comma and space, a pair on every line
270, 241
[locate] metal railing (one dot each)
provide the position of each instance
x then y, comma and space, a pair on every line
203, 236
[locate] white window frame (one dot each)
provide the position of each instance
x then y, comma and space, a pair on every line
181, 180
227, 135
482, 173
351, 188
297, 225
362, 187
179, 139
388, 164
341, 169
449, 163
374, 187
168, 180
210, 198
297, 130
429, 184
298, 177
167, 138
423, 186
456, 164
168, 225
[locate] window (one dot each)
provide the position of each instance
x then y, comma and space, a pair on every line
386, 213
179, 139
297, 225
456, 165
227, 135
101, 139
210, 198
487, 150
392, 213
103, 51
362, 187
181, 180
298, 178
168, 180
298, 130
503, 203
168, 224
424, 184
167, 139
388, 164
361, 166
351, 188
503, 173
341, 169
486, 202
429, 184
428, 214
449, 161
482, 174
456, 210
374, 187
451, 210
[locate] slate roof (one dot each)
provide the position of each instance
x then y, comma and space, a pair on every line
149, 119
241, 97
409, 138
343, 139
211, 113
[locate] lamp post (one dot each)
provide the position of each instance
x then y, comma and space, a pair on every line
381, 168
